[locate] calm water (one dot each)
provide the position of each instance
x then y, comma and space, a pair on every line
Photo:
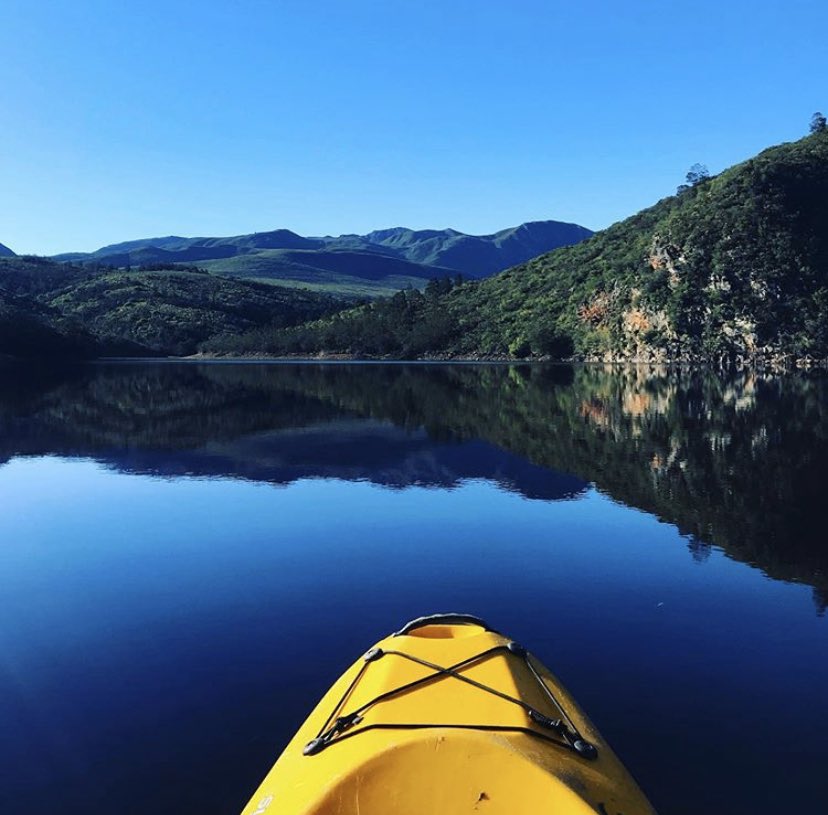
190, 554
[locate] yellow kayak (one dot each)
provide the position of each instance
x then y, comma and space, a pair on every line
447, 716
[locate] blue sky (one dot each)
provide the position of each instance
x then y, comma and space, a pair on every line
125, 120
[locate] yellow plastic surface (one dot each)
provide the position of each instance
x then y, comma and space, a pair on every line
443, 770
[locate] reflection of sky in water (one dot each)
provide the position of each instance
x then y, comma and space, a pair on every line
160, 639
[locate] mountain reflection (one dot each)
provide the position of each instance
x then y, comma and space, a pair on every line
355, 450
738, 462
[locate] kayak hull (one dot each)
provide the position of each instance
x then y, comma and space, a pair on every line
447, 716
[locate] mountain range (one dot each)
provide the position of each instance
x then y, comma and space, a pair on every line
380, 262
731, 268
169, 295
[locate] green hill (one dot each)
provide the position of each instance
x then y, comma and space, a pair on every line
49, 308
735, 266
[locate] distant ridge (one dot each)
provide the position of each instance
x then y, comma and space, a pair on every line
178, 249
376, 263
5, 252
478, 255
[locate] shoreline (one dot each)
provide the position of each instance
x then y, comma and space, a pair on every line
772, 361
777, 362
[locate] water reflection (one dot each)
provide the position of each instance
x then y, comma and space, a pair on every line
736, 462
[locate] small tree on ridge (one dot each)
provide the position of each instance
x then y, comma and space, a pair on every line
695, 175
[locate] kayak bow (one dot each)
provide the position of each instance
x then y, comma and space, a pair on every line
447, 716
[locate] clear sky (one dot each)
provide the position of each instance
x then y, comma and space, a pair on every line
133, 119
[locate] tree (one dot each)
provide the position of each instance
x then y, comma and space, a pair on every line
818, 123
695, 175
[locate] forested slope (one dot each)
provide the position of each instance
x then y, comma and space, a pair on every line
57, 309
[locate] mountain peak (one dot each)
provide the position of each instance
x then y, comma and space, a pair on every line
5, 252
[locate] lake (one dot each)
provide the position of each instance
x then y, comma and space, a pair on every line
191, 553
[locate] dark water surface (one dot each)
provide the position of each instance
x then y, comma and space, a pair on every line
190, 554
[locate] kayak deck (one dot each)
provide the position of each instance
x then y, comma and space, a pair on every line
447, 716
